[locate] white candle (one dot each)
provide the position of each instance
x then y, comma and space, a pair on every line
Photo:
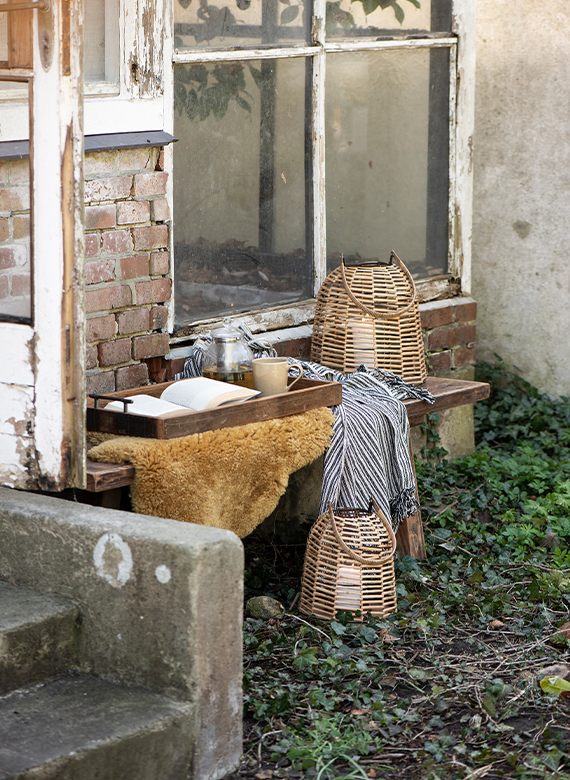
349, 589
363, 342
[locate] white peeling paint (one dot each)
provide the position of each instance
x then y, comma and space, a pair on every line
16, 341
113, 560
163, 574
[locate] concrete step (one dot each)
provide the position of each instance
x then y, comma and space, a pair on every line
78, 727
38, 636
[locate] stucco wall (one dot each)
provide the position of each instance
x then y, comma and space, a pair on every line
521, 225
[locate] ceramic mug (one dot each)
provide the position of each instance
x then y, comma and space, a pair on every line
270, 375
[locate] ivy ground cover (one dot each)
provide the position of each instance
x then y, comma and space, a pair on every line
449, 685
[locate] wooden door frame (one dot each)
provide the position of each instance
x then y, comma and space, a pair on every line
48, 368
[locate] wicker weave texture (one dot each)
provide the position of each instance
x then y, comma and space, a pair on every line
349, 565
369, 314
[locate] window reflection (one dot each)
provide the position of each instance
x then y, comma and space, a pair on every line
240, 188
387, 157
198, 23
15, 250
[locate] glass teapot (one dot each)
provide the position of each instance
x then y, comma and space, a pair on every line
228, 358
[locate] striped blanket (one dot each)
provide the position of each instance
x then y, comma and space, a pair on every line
369, 454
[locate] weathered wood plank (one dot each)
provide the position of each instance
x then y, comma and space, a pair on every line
410, 535
105, 476
448, 393
20, 47
108, 476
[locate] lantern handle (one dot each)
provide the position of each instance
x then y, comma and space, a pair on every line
358, 558
373, 312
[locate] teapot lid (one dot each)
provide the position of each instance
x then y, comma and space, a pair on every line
227, 332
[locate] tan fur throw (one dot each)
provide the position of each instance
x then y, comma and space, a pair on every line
231, 478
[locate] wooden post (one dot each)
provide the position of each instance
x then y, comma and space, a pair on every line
410, 536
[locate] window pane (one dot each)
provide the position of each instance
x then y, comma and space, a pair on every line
3, 38
241, 169
387, 141
15, 255
101, 44
356, 18
240, 23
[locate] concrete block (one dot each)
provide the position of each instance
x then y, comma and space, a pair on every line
78, 727
161, 604
298, 507
455, 427
38, 636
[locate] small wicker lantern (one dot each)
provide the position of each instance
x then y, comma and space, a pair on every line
369, 314
349, 564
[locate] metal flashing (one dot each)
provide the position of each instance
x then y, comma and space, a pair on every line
13, 150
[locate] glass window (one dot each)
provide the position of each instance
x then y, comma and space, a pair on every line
15, 231
384, 174
334, 143
358, 18
241, 186
101, 45
240, 22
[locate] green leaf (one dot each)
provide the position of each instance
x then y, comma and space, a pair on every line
417, 673
289, 14
489, 705
243, 103
398, 11
306, 657
369, 6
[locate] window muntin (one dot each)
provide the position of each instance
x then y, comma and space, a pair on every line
241, 186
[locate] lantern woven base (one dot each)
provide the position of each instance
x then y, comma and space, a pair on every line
349, 565
369, 314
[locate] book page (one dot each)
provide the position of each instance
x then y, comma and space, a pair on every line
146, 405
200, 393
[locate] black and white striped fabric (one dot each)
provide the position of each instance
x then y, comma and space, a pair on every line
369, 456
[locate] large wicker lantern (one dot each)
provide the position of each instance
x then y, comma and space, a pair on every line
349, 564
369, 314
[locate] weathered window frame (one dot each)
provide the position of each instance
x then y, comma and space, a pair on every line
137, 100
42, 388
461, 45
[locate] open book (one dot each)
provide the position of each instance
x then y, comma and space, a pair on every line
193, 394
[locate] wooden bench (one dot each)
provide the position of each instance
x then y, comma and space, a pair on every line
107, 478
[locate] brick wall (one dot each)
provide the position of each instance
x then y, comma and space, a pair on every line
449, 334
127, 244
448, 328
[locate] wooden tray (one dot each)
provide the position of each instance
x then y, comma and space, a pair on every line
307, 394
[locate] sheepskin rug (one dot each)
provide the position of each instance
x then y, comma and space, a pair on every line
231, 478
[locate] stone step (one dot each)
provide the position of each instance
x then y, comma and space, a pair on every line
78, 727
38, 636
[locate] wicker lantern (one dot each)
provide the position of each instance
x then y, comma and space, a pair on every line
349, 564
369, 314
